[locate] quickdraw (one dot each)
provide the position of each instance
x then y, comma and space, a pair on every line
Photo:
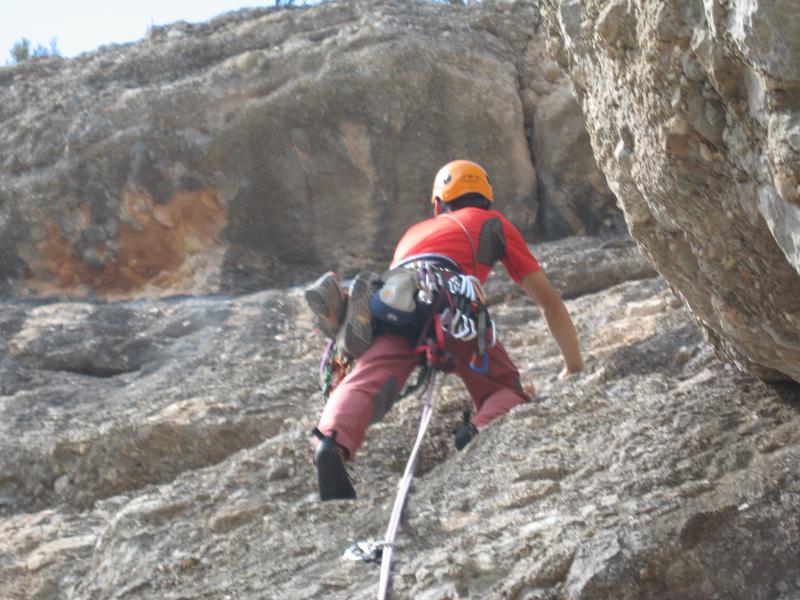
466, 317
468, 302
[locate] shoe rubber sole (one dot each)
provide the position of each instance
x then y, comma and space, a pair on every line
334, 482
324, 313
319, 303
356, 335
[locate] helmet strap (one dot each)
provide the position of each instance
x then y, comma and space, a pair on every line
438, 207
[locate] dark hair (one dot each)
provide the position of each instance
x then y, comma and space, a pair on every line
472, 199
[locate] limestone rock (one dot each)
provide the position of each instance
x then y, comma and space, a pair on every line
268, 145
694, 118
660, 472
573, 195
583, 265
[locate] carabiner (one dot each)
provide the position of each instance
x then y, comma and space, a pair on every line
483, 370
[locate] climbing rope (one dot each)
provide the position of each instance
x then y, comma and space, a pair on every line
458, 308
372, 550
387, 545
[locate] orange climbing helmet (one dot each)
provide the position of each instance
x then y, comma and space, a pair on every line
458, 178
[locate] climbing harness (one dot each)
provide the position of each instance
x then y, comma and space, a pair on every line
470, 293
455, 306
459, 302
333, 369
422, 379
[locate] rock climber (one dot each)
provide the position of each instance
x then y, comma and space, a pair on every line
467, 237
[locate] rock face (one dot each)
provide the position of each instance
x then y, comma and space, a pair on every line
693, 110
181, 468
267, 145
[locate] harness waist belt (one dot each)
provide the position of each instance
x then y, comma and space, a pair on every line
437, 259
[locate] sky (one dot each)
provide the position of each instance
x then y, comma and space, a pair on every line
83, 25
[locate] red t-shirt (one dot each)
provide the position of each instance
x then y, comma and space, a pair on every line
493, 238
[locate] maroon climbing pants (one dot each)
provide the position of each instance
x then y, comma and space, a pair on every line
379, 374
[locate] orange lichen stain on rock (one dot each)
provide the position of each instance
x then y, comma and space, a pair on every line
154, 242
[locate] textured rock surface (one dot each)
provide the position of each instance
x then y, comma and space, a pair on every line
658, 473
267, 145
693, 111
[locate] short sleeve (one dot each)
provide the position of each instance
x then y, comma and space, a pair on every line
518, 260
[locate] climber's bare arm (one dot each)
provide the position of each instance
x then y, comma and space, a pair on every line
558, 320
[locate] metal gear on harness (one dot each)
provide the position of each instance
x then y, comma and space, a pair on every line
333, 368
364, 551
480, 360
467, 298
467, 318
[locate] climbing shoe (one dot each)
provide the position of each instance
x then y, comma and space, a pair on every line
355, 336
328, 301
465, 432
332, 476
